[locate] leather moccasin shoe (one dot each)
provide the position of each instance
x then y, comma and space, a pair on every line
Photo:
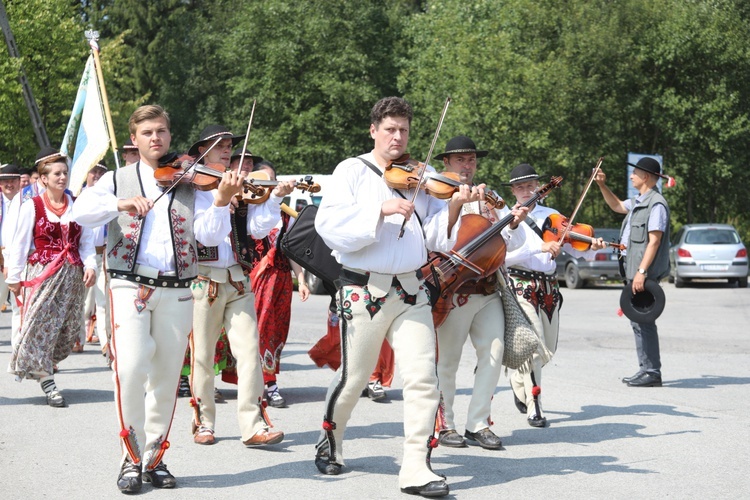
129, 480
646, 379
519, 404
537, 421
429, 490
265, 437
160, 477
451, 439
204, 435
325, 466
625, 380
485, 438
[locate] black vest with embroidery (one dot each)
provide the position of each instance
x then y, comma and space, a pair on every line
242, 246
124, 232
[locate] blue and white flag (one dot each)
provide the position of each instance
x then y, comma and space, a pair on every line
88, 119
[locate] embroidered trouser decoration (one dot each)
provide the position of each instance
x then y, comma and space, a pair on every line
130, 441
262, 404
144, 293
153, 457
536, 391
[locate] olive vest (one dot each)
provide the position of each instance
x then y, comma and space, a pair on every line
639, 216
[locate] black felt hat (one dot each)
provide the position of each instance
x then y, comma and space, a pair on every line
238, 152
10, 171
48, 153
522, 173
210, 133
460, 144
650, 165
129, 145
100, 165
645, 306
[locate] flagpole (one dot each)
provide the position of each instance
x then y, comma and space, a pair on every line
93, 38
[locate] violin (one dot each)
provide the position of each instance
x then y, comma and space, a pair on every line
405, 173
258, 186
579, 236
179, 171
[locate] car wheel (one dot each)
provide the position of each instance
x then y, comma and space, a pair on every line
742, 282
572, 278
679, 282
314, 283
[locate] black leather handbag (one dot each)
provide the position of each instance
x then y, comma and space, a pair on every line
303, 245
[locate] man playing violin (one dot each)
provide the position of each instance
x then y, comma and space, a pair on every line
478, 313
531, 271
152, 260
379, 292
223, 298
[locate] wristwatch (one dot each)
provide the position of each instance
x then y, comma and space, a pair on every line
642, 271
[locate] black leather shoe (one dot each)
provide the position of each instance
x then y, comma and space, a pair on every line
537, 421
646, 379
430, 490
325, 466
519, 404
160, 477
485, 438
132, 482
625, 380
451, 439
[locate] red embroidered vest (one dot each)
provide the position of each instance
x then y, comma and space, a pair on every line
50, 238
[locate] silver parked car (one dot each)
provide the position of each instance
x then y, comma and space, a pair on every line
577, 272
707, 251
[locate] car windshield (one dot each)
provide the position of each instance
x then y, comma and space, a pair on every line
712, 237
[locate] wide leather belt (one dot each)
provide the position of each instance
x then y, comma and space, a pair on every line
375, 281
531, 275
485, 286
160, 281
100, 250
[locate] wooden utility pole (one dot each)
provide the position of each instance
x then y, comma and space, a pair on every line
36, 120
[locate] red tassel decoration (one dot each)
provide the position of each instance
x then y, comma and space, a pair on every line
536, 391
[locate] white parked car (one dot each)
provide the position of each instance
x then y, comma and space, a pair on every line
708, 251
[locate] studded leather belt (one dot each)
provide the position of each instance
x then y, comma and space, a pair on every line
160, 281
531, 275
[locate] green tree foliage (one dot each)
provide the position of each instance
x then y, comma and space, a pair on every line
558, 84
52, 52
315, 69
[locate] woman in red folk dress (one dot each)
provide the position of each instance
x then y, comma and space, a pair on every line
50, 279
273, 288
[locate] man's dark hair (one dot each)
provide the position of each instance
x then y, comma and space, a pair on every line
264, 164
390, 106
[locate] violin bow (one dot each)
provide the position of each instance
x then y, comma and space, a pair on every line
247, 134
427, 161
177, 180
580, 200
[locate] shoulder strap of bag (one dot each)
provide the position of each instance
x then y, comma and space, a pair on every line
533, 226
377, 171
